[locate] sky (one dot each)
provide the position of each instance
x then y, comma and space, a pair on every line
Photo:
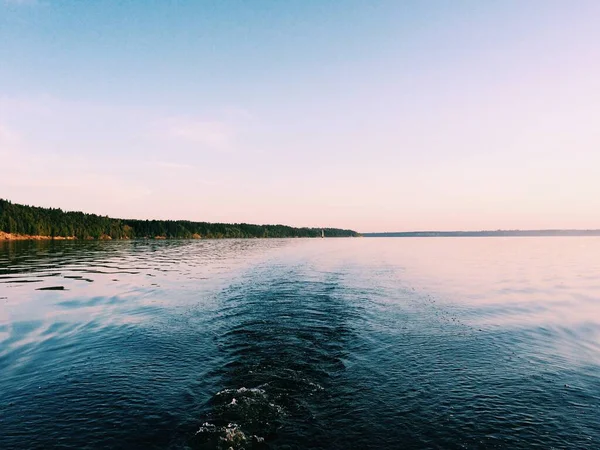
369, 115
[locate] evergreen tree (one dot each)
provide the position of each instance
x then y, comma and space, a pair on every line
30, 220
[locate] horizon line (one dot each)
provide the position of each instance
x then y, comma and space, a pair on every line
508, 230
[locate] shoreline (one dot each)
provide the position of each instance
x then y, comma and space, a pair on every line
26, 237
83, 226
12, 237
4, 237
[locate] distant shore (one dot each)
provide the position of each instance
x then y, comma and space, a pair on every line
5, 237
26, 237
496, 233
23, 222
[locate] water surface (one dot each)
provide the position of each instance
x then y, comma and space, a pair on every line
324, 343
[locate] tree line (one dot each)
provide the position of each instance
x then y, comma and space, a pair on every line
54, 222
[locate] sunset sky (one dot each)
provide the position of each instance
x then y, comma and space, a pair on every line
370, 115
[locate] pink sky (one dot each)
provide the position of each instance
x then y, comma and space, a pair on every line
394, 118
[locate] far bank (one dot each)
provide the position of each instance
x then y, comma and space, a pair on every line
22, 222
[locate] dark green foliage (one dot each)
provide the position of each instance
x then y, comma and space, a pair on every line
21, 219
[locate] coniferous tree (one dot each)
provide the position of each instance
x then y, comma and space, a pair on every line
21, 219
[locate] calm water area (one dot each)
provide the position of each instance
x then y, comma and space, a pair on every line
348, 343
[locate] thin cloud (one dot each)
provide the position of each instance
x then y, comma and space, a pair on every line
6, 134
212, 134
171, 165
9, 140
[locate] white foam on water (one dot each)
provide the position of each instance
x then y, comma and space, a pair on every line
242, 390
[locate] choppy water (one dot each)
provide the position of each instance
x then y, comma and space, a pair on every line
334, 343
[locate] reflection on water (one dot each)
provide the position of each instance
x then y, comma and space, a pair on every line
335, 343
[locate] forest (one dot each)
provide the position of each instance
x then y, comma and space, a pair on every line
35, 221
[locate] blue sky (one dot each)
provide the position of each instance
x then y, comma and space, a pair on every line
378, 116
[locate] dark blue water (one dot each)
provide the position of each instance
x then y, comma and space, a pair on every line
282, 344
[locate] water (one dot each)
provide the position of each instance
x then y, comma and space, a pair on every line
325, 343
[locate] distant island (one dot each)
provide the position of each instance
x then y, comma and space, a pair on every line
496, 233
19, 222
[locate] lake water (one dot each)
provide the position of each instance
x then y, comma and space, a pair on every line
372, 343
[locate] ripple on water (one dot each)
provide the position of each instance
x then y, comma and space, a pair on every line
356, 343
